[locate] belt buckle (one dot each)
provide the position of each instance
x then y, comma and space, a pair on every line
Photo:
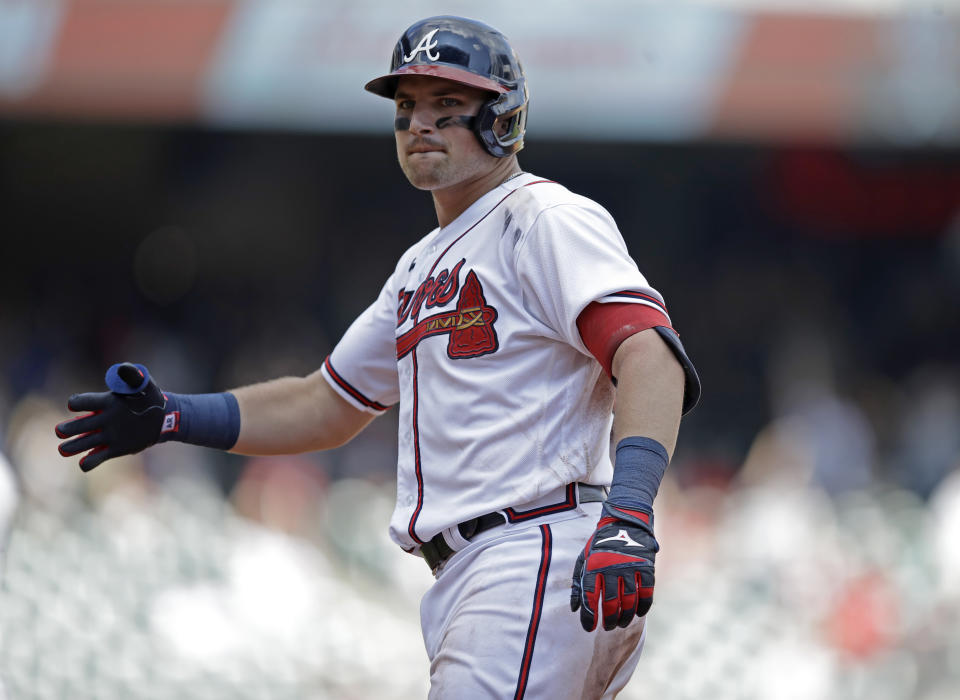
437, 550
468, 528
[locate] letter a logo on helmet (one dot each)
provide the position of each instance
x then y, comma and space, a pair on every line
471, 53
426, 46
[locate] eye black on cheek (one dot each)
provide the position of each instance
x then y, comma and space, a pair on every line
401, 124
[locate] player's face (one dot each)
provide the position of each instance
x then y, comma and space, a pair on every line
434, 157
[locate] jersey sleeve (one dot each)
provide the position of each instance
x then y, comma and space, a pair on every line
572, 256
363, 366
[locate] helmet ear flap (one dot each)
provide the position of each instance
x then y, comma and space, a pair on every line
502, 121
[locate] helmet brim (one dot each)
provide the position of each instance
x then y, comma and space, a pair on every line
386, 85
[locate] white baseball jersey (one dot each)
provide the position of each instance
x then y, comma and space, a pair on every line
475, 335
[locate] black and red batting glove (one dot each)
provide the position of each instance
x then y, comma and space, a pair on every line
122, 421
613, 576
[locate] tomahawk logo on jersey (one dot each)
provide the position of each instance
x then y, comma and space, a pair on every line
476, 329
469, 325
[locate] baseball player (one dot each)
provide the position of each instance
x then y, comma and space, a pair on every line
518, 338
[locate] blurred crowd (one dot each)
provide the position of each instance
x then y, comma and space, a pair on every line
801, 575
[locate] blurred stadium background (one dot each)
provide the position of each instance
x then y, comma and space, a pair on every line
204, 187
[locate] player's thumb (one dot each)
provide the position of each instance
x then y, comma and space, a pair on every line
127, 378
129, 373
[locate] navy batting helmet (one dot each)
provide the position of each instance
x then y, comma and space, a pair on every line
470, 53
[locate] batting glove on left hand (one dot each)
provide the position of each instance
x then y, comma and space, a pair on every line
613, 575
122, 421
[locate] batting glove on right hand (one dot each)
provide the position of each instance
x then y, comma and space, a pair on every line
122, 421
614, 573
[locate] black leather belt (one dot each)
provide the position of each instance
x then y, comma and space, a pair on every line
437, 551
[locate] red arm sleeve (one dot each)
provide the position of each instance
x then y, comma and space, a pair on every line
604, 326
